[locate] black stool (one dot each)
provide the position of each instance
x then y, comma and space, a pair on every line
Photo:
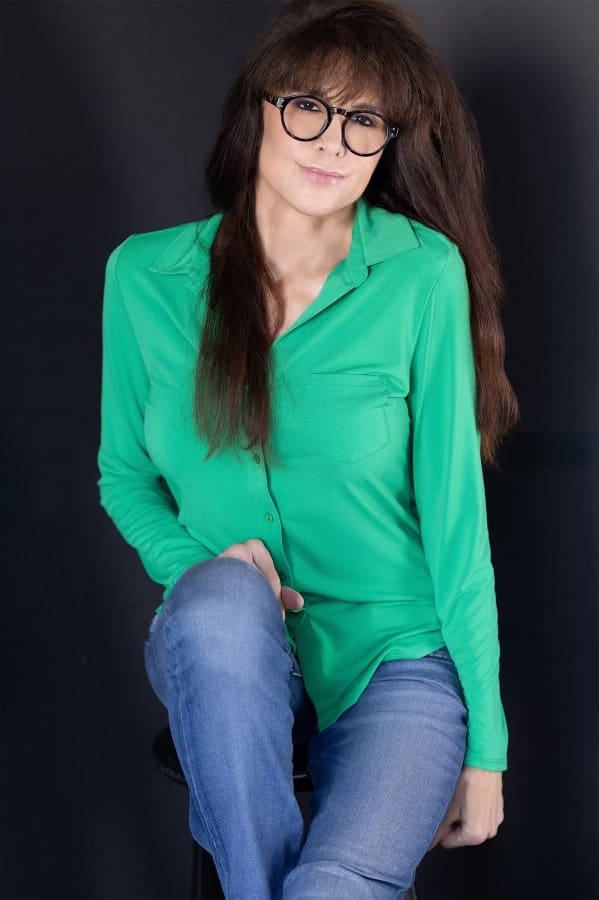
203, 869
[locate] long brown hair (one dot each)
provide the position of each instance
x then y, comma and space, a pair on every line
433, 172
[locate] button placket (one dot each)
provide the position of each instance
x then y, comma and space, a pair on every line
264, 498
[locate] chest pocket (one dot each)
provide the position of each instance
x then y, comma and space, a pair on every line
341, 418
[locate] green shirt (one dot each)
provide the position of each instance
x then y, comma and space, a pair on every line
377, 515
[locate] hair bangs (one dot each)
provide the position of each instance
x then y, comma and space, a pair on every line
339, 74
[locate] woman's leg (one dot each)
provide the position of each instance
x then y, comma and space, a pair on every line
218, 657
384, 775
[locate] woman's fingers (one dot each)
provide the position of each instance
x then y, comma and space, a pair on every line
254, 551
263, 560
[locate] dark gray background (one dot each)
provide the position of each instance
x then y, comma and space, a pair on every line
109, 109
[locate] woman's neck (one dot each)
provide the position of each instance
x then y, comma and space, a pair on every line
298, 245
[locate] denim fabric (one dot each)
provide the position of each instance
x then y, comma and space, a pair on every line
384, 773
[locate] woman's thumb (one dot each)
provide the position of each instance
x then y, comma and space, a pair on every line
291, 599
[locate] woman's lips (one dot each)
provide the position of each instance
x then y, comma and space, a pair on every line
319, 176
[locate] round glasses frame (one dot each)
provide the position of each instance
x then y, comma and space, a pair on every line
281, 103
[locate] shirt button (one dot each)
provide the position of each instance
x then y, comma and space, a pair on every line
256, 457
269, 517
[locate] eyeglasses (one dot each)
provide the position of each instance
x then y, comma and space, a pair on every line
305, 118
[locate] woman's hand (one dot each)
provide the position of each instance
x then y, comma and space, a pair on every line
254, 551
475, 812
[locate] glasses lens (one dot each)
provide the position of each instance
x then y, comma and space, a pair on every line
305, 117
365, 132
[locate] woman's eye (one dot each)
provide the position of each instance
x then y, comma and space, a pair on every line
361, 119
303, 104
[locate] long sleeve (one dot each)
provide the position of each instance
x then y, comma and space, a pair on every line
132, 491
450, 498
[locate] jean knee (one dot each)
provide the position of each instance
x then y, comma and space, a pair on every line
219, 590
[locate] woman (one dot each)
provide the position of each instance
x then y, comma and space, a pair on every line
298, 395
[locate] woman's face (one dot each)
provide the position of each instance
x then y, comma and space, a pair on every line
282, 163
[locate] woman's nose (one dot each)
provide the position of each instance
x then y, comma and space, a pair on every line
333, 135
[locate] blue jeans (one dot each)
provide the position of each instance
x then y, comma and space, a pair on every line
384, 773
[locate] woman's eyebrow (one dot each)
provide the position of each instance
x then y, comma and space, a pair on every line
368, 107
365, 106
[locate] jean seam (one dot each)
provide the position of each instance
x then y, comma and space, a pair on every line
194, 777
